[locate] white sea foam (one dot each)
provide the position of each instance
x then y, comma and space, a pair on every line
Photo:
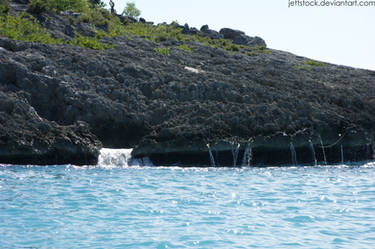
121, 158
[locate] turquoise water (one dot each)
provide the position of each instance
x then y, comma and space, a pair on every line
147, 207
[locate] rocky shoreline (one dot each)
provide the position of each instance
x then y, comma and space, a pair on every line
61, 104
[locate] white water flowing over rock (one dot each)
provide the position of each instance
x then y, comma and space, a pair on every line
121, 158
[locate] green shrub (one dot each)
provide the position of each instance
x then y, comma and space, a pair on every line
185, 47
116, 28
152, 33
251, 53
25, 27
95, 15
84, 18
303, 67
71, 20
4, 7
313, 63
160, 37
56, 6
89, 42
131, 11
174, 24
162, 51
101, 17
265, 51
37, 6
164, 32
262, 49
63, 5
232, 47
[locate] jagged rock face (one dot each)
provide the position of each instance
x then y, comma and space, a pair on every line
170, 107
26, 138
231, 33
239, 37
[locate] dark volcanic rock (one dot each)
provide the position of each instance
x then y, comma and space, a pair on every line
206, 31
170, 107
21, 1
231, 33
205, 28
26, 138
239, 37
186, 29
256, 41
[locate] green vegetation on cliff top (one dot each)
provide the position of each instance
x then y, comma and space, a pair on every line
25, 27
56, 6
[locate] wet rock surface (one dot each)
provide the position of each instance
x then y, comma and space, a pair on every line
170, 107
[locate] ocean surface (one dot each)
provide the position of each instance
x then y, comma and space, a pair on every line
149, 207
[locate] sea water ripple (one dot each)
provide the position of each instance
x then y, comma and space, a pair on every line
155, 207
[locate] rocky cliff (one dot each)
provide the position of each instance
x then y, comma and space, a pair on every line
170, 99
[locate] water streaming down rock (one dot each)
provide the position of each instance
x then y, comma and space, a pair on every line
247, 156
235, 151
324, 152
371, 150
293, 154
313, 153
371, 147
342, 154
121, 158
212, 159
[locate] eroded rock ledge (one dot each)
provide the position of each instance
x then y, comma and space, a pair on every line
301, 149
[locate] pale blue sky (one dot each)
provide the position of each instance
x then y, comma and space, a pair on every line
341, 35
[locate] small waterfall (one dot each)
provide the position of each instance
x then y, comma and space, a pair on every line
370, 151
235, 151
247, 156
324, 152
342, 154
120, 158
293, 154
212, 159
313, 152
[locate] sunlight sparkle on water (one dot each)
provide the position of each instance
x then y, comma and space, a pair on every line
150, 207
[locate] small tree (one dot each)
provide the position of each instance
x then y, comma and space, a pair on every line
131, 11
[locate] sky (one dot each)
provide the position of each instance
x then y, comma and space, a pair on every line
340, 35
